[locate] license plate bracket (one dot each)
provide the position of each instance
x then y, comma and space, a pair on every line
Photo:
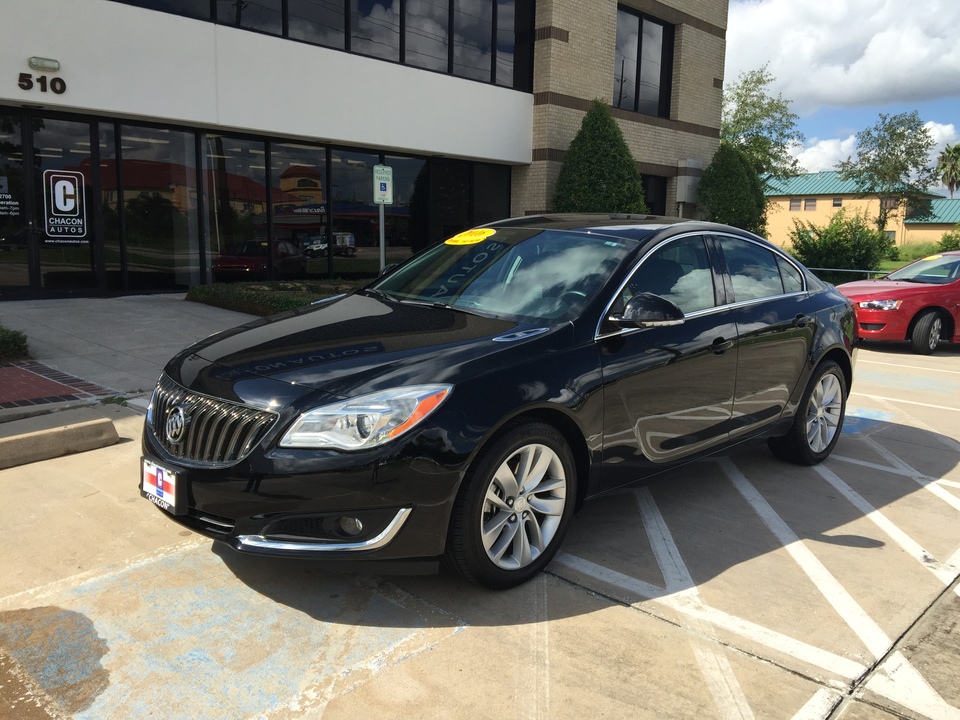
160, 485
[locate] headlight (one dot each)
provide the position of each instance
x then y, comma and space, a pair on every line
365, 421
880, 304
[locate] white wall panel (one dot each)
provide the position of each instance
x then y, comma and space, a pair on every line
135, 63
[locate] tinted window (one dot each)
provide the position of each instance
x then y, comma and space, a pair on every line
316, 21
190, 8
679, 271
641, 75
425, 33
791, 277
753, 269
264, 15
472, 37
375, 28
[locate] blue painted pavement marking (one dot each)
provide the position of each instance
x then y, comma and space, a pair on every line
859, 420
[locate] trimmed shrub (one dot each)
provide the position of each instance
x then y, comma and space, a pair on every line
731, 192
950, 239
848, 242
13, 345
598, 173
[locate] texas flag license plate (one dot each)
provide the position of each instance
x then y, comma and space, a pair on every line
159, 486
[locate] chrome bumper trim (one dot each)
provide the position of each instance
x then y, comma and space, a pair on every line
259, 542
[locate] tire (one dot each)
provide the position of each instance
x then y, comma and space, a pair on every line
500, 537
819, 419
926, 332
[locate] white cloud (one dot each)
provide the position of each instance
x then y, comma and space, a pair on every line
848, 53
819, 155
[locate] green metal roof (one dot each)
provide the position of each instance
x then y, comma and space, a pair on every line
827, 182
943, 212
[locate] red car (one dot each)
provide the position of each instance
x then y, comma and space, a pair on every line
248, 261
920, 302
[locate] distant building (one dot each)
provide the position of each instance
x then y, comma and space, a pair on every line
815, 197
139, 139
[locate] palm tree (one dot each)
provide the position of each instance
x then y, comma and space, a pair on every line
948, 167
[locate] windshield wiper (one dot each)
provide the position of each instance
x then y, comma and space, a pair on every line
380, 294
448, 306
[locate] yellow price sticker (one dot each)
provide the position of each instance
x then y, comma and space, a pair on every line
933, 257
471, 237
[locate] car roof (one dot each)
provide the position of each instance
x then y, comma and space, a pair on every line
637, 227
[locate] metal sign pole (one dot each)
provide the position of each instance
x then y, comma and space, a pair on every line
383, 246
383, 195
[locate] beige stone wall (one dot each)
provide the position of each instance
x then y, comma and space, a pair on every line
780, 219
574, 58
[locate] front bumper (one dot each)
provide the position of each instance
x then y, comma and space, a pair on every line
882, 324
392, 504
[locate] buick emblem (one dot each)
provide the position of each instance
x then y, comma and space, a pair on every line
176, 424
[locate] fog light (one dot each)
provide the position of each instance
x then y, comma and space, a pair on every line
351, 526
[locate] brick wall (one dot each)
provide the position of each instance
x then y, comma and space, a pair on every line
573, 64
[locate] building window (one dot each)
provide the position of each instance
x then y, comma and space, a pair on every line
795, 204
486, 40
655, 193
643, 68
810, 204
890, 203
838, 202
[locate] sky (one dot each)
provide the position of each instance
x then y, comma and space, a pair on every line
842, 63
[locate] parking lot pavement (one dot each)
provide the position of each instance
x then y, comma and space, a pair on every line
736, 587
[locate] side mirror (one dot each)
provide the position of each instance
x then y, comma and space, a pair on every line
645, 310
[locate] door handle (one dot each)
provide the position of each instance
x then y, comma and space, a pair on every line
720, 346
801, 321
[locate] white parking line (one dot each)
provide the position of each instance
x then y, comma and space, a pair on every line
849, 609
945, 574
899, 681
817, 657
907, 402
819, 706
946, 440
918, 477
728, 696
908, 367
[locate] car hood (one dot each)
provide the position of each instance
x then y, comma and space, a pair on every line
889, 289
354, 345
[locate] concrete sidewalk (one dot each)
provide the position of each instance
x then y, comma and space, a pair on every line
103, 346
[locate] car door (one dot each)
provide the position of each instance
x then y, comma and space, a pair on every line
775, 322
668, 391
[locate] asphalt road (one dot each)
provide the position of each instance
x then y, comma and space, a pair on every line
737, 587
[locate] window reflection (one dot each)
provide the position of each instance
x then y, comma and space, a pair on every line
189, 8
15, 235
159, 207
263, 15
317, 21
298, 178
506, 41
426, 30
375, 28
472, 36
644, 48
406, 218
235, 199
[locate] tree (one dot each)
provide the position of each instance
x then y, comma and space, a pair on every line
847, 242
731, 191
761, 124
892, 163
950, 239
948, 167
598, 173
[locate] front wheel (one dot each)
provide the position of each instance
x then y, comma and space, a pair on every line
926, 332
513, 508
819, 419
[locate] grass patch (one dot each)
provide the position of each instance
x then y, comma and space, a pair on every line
269, 297
13, 345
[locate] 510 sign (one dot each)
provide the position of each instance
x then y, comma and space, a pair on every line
55, 84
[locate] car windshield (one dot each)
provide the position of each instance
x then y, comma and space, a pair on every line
510, 272
933, 270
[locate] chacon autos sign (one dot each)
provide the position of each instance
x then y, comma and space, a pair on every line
64, 211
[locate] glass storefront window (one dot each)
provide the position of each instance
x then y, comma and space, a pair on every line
425, 34
263, 15
472, 35
110, 202
63, 183
351, 192
375, 28
506, 41
405, 233
641, 78
320, 22
297, 184
235, 199
15, 232
162, 229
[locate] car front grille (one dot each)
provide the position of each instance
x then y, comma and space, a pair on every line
214, 432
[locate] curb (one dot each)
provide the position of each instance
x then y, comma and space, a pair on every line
54, 442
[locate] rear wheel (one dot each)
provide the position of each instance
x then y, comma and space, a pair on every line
514, 507
819, 419
926, 332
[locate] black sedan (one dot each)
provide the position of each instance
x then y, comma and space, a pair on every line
464, 404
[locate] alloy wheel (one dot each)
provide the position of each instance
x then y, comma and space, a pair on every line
824, 412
